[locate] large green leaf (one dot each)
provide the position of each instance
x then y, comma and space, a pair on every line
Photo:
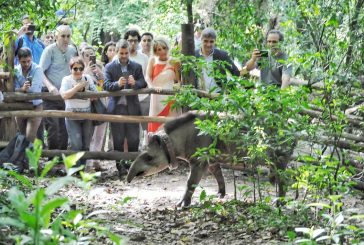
71, 160
4, 221
22, 178
48, 166
58, 184
50, 207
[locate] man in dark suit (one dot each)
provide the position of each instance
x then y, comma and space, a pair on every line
120, 74
207, 79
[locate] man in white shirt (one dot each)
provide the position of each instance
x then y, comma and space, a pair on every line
147, 40
133, 37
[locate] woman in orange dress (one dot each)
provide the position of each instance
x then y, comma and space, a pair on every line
162, 73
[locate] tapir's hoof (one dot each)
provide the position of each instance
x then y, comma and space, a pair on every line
184, 203
221, 195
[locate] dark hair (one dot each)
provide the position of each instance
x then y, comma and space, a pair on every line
273, 26
132, 33
104, 58
76, 60
208, 33
281, 37
147, 34
24, 53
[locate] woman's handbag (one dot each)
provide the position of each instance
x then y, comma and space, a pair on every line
97, 107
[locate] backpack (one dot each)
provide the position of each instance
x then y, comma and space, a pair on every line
20, 45
13, 156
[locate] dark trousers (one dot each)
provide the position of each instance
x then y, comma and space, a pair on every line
120, 131
56, 127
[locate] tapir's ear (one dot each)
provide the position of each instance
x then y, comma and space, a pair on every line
155, 138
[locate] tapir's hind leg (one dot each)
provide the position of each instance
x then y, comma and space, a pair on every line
215, 170
197, 169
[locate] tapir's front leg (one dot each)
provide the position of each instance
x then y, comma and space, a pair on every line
197, 169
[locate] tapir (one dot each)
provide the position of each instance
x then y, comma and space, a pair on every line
178, 142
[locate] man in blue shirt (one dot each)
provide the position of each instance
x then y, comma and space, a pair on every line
29, 40
28, 79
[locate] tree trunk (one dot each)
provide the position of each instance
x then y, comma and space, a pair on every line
353, 25
8, 125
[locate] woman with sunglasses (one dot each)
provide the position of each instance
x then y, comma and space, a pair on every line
79, 130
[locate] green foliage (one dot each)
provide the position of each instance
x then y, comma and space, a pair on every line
36, 215
41, 12
337, 227
245, 30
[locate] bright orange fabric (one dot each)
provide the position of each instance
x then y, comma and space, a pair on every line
157, 69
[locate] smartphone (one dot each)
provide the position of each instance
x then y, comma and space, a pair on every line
93, 59
31, 27
125, 75
30, 79
263, 53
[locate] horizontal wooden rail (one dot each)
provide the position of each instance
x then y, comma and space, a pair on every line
15, 106
111, 155
317, 114
18, 96
80, 115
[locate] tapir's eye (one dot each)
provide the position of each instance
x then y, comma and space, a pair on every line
148, 157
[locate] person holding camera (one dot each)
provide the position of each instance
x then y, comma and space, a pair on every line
272, 63
79, 130
122, 73
28, 79
27, 39
94, 68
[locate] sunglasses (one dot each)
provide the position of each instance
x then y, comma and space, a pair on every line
64, 36
76, 69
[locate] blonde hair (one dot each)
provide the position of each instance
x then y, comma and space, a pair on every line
160, 42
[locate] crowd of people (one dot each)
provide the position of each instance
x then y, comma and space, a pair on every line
57, 65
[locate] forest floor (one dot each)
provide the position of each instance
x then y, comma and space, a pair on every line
151, 216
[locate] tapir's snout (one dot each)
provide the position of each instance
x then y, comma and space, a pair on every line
131, 176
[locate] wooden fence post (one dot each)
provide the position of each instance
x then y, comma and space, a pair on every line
8, 125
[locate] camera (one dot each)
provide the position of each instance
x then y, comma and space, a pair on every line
93, 59
263, 53
31, 27
30, 80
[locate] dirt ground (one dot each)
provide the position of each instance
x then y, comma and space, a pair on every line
151, 216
